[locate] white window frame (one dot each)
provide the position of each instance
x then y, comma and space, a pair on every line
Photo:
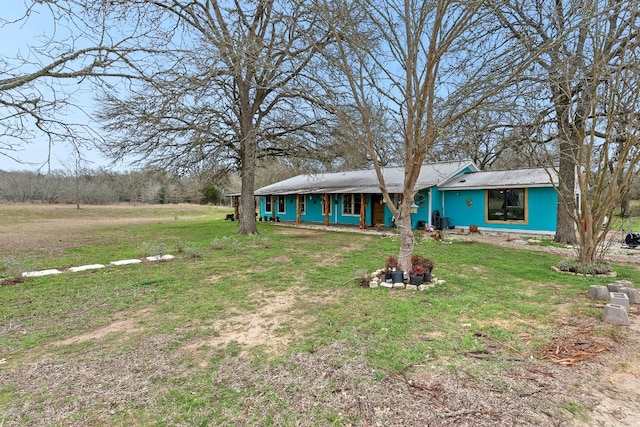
281, 201
349, 201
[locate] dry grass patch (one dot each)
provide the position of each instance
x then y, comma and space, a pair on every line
271, 326
125, 326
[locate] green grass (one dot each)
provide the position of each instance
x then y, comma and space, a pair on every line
492, 297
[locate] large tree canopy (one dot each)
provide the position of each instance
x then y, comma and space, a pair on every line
236, 81
43, 77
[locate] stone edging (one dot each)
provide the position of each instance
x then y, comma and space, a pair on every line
39, 273
377, 281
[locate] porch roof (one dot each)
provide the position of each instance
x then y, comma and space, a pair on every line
532, 177
364, 181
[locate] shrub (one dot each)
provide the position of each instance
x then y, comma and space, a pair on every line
152, 249
417, 270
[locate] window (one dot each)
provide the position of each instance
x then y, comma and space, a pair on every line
351, 204
303, 204
506, 205
267, 205
282, 205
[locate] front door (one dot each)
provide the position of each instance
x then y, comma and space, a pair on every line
377, 209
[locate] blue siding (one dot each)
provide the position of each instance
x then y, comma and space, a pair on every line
313, 210
467, 207
423, 214
439, 197
464, 208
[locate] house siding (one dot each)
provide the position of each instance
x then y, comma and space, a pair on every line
313, 210
467, 207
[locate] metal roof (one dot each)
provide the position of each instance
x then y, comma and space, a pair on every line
364, 181
534, 177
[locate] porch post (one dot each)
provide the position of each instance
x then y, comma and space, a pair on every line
327, 206
363, 212
273, 207
298, 213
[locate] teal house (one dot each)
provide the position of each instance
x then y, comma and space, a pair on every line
523, 200
448, 195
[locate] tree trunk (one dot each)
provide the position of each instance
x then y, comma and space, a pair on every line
588, 240
567, 209
403, 223
565, 224
247, 197
625, 205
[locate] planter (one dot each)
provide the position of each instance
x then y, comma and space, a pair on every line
387, 277
397, 276
416, 279
427, 277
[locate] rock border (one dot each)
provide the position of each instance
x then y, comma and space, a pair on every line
376, 280
39, 273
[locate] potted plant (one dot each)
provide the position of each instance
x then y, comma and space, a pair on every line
417, 274
425, 263
392, 274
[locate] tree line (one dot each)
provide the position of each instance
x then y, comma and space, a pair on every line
101, 187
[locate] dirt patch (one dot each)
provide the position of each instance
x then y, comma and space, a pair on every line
270, 326
282, 259
127, 326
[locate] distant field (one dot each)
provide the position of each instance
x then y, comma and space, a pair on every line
34, 229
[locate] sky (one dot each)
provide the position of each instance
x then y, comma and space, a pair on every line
16, 39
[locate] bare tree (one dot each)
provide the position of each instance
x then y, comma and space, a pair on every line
41, 84
562, 32
235, 83
587, 50
609, 149
492, 136
406, 58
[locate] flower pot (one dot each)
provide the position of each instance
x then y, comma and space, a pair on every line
397, 276
415, 279
427, 277
387, 277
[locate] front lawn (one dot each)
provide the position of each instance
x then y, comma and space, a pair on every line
275, 330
